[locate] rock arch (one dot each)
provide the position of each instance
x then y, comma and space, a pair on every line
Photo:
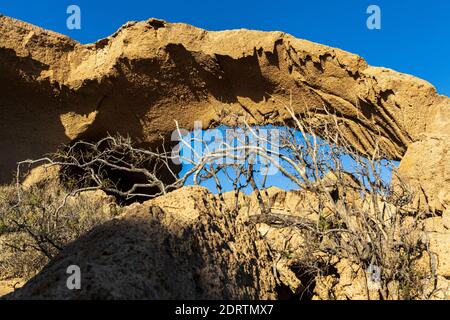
147, 74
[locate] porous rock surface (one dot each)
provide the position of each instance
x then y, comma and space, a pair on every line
426, 164
150, 73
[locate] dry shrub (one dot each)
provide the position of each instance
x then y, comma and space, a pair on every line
360, 216
34, 226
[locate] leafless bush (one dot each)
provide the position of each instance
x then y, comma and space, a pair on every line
361, 216
38, 220
113, 165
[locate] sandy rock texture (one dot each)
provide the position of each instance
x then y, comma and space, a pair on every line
426, 164
345, 280
8, 286
148, 74
180, 246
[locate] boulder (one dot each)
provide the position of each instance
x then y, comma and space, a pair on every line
426, 168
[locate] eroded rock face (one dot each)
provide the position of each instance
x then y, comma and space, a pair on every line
150, 73
426, 164
179, 246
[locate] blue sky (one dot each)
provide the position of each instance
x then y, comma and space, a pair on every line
414, 38
216, 137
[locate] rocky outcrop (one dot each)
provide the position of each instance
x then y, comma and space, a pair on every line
344, 280
179, 246
187, 245
426, 164
147, 74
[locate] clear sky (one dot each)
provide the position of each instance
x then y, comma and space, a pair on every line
414, 36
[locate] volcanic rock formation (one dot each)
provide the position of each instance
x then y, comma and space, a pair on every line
148, 74
136, 82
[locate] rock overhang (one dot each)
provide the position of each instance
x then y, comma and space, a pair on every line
150, 73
